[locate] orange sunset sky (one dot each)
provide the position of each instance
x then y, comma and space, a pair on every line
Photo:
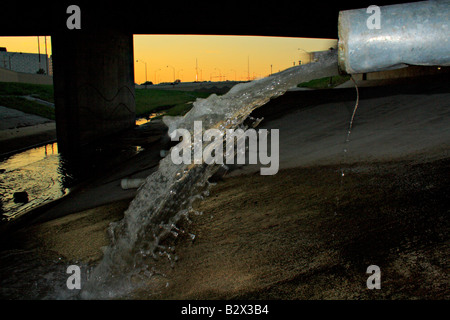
218, 58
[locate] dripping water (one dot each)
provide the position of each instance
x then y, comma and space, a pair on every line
346, 147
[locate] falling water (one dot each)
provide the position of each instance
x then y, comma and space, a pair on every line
168, 194
345, 148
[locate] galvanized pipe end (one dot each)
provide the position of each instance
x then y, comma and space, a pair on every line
391, 37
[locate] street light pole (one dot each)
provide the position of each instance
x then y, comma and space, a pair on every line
220, 74
145, 63
155, 75
173, 72
308, 53
234, 74
39, 53
46, 55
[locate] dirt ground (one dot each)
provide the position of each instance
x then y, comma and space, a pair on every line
308, 235
307, 232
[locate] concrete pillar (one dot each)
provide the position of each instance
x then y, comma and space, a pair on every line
94, 86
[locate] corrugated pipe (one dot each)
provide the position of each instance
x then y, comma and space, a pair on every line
392, 37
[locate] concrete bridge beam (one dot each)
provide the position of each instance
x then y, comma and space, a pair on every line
94, 86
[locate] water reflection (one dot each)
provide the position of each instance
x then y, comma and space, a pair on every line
144, 120
46, 173
29, 156
34, 171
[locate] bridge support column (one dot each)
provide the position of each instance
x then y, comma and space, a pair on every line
94, 86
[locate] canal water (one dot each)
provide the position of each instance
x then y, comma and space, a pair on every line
38, 172
45, 175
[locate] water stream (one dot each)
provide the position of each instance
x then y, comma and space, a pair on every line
168, 194
144, 238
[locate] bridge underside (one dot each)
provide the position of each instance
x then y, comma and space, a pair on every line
93, 67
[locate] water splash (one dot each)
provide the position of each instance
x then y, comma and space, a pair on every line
168, 194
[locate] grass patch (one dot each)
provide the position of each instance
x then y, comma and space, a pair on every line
175, 102
41, 91
147, 101
325, 83
179, 110
28, 106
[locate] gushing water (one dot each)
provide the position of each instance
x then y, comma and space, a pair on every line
168, 194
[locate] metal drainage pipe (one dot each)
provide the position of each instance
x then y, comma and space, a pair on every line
405, 34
